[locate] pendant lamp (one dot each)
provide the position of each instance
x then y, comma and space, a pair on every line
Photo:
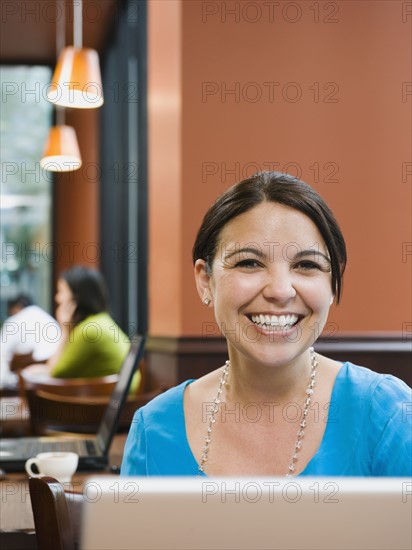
61, 153
77, 81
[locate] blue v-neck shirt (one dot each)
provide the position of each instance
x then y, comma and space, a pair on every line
368, 431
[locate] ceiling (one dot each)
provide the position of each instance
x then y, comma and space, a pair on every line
28, 28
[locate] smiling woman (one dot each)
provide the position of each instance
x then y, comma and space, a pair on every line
268, 293
269, 258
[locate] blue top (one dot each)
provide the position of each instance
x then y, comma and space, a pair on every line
368, 431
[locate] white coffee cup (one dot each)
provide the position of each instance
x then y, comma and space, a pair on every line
59, 465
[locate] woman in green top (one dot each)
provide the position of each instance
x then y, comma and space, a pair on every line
92, 344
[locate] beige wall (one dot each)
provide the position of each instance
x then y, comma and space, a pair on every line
351, 118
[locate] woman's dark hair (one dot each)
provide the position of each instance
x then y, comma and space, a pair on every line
89, 291
21, 301
283, 189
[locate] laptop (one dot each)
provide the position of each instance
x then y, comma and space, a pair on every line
247, 513
93, 452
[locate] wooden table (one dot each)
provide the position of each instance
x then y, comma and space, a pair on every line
16, 517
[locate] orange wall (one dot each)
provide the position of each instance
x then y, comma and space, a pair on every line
351, 114
77, 198
165, 168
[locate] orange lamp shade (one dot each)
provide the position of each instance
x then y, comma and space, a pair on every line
77, 81
61, 153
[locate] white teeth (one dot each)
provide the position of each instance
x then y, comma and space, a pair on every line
274, 321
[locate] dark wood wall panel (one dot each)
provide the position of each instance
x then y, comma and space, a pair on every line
173, 360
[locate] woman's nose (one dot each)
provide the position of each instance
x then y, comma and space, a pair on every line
279, 285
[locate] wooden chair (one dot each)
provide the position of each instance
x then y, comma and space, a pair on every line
76, 404
50, 412
36, 377
17, 363
20, 361
56, 414
57, 514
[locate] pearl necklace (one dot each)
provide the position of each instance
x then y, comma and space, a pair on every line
302, 425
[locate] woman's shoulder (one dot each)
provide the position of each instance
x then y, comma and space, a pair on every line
102, 320
364, 382
101, 328
166, 405
378, 406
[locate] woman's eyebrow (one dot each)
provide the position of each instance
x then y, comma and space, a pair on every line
260, 254
246, 250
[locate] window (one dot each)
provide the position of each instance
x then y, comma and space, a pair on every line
26, 190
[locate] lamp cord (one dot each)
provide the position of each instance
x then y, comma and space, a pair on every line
78, 23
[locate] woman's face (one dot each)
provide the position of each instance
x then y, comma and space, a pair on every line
270, 284
64, 294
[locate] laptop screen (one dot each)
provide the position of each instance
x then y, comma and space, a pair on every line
111, 416
245, 513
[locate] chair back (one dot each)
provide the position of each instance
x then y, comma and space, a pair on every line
77, 404
80, 414
51, 412
20, 361
52, 401
56, 514
36, 378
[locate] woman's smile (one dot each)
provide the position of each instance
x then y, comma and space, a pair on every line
271, 282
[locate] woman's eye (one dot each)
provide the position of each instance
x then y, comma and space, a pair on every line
250, 264
307, 265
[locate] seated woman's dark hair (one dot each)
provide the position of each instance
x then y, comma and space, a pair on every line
283, 189
89, 291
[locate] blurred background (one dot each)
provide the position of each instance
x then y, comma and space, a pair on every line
198, 95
